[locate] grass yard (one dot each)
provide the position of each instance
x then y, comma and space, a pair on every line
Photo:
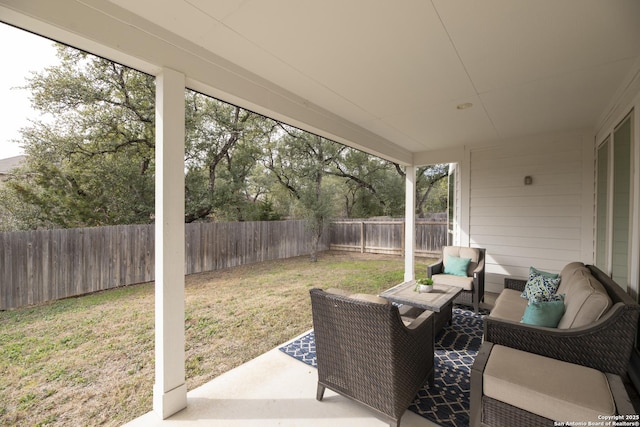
90, 360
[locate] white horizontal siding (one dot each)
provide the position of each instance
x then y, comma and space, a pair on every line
531, 221
526, 201
542, 224
543, 245
498, 231
537, 189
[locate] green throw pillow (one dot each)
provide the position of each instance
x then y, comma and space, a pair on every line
533, 270
544, 313
540, 288
456, 266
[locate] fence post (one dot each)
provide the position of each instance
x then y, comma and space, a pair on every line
361, 237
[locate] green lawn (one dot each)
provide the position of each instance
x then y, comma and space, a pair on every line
90, 360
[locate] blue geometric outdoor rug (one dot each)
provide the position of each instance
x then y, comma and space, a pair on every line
456, 346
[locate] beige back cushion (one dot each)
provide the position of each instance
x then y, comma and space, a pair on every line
462, 252
585, 300
571, 268
567, 277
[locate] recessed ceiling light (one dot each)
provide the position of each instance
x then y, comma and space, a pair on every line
464, 106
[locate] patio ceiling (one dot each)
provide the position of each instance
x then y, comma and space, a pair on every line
390, 73
399, 69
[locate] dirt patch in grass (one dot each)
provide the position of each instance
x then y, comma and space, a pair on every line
90, 360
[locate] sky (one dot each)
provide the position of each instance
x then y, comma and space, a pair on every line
21, 53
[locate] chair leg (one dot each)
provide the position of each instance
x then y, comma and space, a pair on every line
320, 392
476, 303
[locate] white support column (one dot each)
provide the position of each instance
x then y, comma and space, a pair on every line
410, 224
170, 389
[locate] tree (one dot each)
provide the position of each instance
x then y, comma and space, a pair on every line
93, 162
299, 162
13, 209
431, 189
93, 165
372, 188
222, 148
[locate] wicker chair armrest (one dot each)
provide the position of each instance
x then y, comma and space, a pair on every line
421, 321
515, 283
477, 371
605, 345
413, 348
436, 268
479, 269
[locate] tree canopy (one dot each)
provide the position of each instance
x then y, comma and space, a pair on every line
93, 163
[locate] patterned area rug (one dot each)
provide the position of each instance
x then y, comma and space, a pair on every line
447, 402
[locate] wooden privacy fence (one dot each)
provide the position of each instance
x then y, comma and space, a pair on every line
387, 236
43, 265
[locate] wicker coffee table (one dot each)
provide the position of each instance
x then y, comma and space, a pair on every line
440, 300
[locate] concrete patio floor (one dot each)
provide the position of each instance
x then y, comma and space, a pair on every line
271, 390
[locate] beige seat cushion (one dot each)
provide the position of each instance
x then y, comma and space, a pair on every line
586, 300
465, 283
409, 314
547, 387
509, 306
410, 311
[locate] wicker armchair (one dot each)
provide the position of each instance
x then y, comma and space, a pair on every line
366, 353
473, 292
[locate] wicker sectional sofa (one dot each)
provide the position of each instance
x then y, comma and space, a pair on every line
538, 374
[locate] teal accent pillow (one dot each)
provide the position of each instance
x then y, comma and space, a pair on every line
456, 266
533, 270
540, 288
544, 313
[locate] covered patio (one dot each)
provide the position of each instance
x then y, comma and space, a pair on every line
271, 390
534, 104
